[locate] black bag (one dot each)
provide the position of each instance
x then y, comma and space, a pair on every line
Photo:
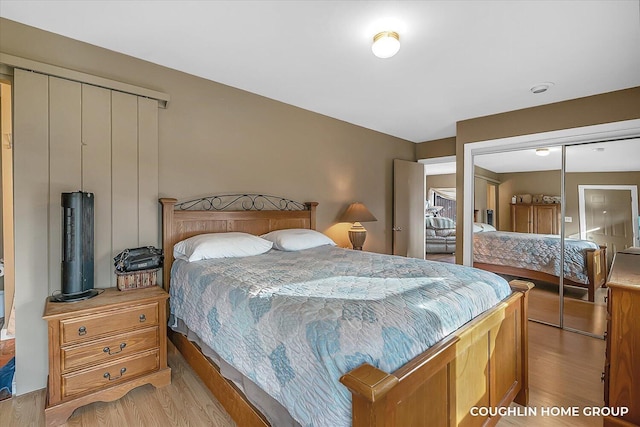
143, 258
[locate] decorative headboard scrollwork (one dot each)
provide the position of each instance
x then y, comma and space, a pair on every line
249, 213
246, 202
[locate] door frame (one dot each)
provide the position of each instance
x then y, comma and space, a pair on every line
6, 170
634, 207
585, 134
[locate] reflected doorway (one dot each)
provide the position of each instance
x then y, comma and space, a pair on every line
440, 209
607, 216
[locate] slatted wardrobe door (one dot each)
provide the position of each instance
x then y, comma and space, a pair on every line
71, 136
96, 174
65, 153
31, 209
148, 169
124, 170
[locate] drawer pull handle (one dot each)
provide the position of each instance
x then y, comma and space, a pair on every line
108, 375
142, 318
82, 330
602, 377
108, 350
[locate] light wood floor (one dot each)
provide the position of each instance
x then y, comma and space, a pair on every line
564, 371
579, 313
449, 258
185, 402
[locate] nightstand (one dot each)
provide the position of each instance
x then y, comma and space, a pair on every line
103, 347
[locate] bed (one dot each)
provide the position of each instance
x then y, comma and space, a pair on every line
537, 257
481, 363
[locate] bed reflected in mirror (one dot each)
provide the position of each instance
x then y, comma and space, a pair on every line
520, 192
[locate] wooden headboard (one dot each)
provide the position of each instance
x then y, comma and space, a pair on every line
258, 214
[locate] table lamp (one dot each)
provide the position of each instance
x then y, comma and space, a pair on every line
357, 213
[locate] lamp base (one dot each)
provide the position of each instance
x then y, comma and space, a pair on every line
357, 236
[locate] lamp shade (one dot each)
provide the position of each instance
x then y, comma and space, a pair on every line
357, 212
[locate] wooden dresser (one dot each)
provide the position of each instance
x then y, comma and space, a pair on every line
101, 348
535, 218
622, 363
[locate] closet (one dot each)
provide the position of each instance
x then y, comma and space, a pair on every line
597, 185
76, 132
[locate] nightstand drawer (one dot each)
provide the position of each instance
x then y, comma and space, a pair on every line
109, 374
87, 327
104, 350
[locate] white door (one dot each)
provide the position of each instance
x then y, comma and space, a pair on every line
409, 193
609, 219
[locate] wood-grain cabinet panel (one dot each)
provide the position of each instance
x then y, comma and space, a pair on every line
109, 374
107, 349
535, 218
88, 327
622, 365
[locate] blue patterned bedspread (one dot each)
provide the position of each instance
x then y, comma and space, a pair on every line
294, 322
537, 252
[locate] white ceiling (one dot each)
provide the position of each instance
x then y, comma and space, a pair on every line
611, 156
607, 156
458, 60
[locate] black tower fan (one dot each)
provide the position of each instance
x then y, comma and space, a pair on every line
77, 247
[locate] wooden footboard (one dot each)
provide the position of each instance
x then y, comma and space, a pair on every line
596, 269
483, 365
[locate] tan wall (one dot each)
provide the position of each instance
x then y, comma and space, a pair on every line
217, 139
440, 181
592, 110
485, 173
437, 148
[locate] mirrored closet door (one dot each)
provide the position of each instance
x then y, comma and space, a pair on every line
561, 214
601, 218
524, 188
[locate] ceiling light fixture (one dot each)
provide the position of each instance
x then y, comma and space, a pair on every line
541, 87
542, 152
386, 44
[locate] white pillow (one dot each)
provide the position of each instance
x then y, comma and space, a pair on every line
488, 227
481, 227
220, 245
297, 239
